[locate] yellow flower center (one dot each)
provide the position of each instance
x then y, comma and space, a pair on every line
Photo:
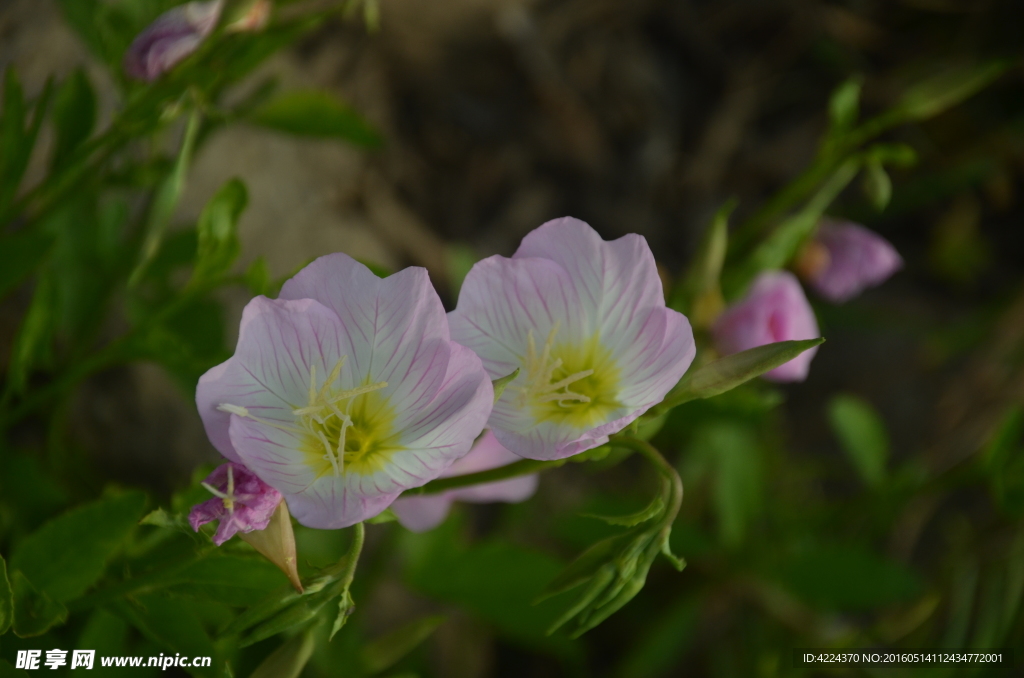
573, 384
341, 429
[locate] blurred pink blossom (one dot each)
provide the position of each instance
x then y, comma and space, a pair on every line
172, 37
852, 259
423, 513
774, 309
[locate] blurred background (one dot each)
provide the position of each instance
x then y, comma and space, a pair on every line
880, 503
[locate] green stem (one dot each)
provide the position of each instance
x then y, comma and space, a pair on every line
515, 469
668, 474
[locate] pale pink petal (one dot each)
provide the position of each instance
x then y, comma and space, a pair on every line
613, 280
857, 259
597, 293
775, 309
419, 514
269, 373
394, 329
171, 37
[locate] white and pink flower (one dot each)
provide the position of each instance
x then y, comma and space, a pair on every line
345, 391
586, 324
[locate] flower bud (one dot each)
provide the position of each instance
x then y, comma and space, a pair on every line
172, 37
854, 259
775, 309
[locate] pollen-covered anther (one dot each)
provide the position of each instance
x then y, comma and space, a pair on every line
540, 370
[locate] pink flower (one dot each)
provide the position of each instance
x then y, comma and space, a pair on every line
854, 259
345, 391
243, 503
420, 514
775, 309
585, 322
174, 35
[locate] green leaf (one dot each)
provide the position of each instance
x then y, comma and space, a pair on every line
8, 671
502, 383
171, 625
6, 599
844, 106
166, 200
68, 554
847, 577
877, 184
729, 372
316, 114
288, 660
32, 346
104, 632
20, 254
218, 231
862, 434
945, 90
732, 450
35, 613
233, 580
74, 116
384, 652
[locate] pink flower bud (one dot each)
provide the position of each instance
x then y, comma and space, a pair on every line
775, 309
242, 502
423, 513
174, 35
857, 259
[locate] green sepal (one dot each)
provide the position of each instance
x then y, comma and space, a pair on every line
652, 510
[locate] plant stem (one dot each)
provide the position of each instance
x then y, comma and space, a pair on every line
519, 468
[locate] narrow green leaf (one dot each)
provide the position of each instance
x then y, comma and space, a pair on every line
33, 343
844, 106
218, 231
381, 653
35, 613
166, 200
945, 90
900, 155
588, 564
288, 660
20, 254
862, 434
6, 599
316, 114
502, 383
346, 606
74, 115
68, 554
729, 372
877, 184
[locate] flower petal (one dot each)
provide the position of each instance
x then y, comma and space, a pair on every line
278, 341
613, 280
